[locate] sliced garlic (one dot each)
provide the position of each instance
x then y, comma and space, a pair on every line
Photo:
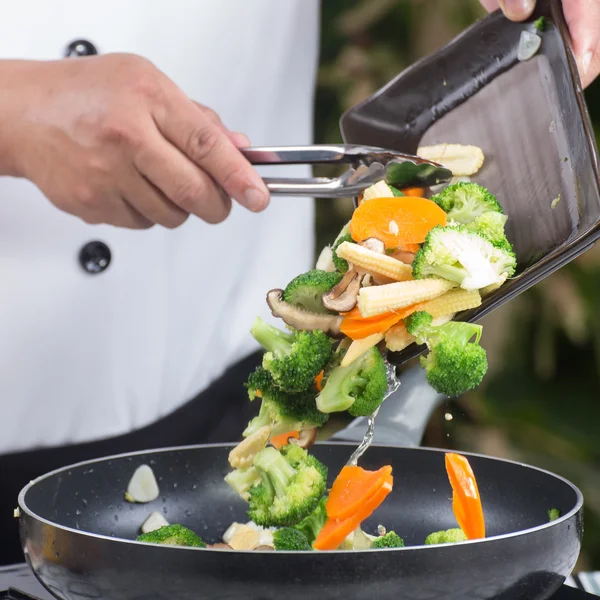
142, 486
393, 228
245, 538
154, 521
16, 513
462, 160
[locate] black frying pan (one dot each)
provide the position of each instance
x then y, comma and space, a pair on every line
76, 530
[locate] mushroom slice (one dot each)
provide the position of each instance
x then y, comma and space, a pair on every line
219, 546
373, 244
301, 319
307, 438
242, 456
343, 296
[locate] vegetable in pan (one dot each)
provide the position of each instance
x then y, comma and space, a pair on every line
450, 536
290, 539
389, 540
172, 535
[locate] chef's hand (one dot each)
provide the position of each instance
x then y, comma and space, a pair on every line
111, 139
583, 18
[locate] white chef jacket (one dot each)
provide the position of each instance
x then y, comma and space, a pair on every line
86, 356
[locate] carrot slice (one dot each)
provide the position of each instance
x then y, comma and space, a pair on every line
466, 502
414, 191
335, 531
414, 248
281, 440
396, 221
357, 328
319, 381
351, 488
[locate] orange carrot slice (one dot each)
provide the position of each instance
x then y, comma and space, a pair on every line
335, 531
357, 328
281, 440
319, 381
351, 488
466, 502
418, 192
396, 221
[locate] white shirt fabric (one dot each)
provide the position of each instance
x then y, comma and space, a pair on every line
84, 357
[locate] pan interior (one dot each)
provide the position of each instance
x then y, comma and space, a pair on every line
90, 497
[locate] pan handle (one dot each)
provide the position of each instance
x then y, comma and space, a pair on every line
403, 417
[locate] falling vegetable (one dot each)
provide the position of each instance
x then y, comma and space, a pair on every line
281, 440
334, 532
396, 221
466, 502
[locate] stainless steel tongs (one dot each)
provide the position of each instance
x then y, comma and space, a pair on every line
367, 165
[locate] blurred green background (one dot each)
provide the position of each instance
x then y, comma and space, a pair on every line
540, 402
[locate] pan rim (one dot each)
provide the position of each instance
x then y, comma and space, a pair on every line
25, 510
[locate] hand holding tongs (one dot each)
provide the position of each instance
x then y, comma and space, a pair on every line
368, 165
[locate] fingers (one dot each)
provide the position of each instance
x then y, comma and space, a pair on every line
583, 18
195, 133
517, 10
180, 183
239, 140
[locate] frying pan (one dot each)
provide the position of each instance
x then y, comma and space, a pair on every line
532, 123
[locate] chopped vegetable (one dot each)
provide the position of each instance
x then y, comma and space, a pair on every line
311, 525
306, 290
553, 514
555, 202
325, 260
172, 535
466, 258
335, 532
396, 192
293, 483
378, 190
380, 299
529, 44
373, 262
454, 364
466, 502
358, 328
359, 347
397, 338
241, 480
289, 539
358, 388
389, 540
280, 411
540, 24
281, 440
292, 359
450, 536
491, 226
352, 487
396, 221
464, 202
242, 456
460, 159
155, 521
142, 486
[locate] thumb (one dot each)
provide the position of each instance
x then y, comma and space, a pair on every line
517, 10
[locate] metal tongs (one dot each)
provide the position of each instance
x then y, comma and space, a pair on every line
367, 165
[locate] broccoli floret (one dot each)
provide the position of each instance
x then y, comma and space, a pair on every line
172, 535
450, 536
306, 290
491, 226
454, 364
358, 387
540, 24
281, 411
292, 359
292, 484
467, 258
312, 525
291, 539
341, 264
389, 540
553, 514
241, 480
464, 201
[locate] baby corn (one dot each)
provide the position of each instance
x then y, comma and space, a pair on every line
378, 190
452, 302
373, 262
359, 347
380, 299
397, 338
